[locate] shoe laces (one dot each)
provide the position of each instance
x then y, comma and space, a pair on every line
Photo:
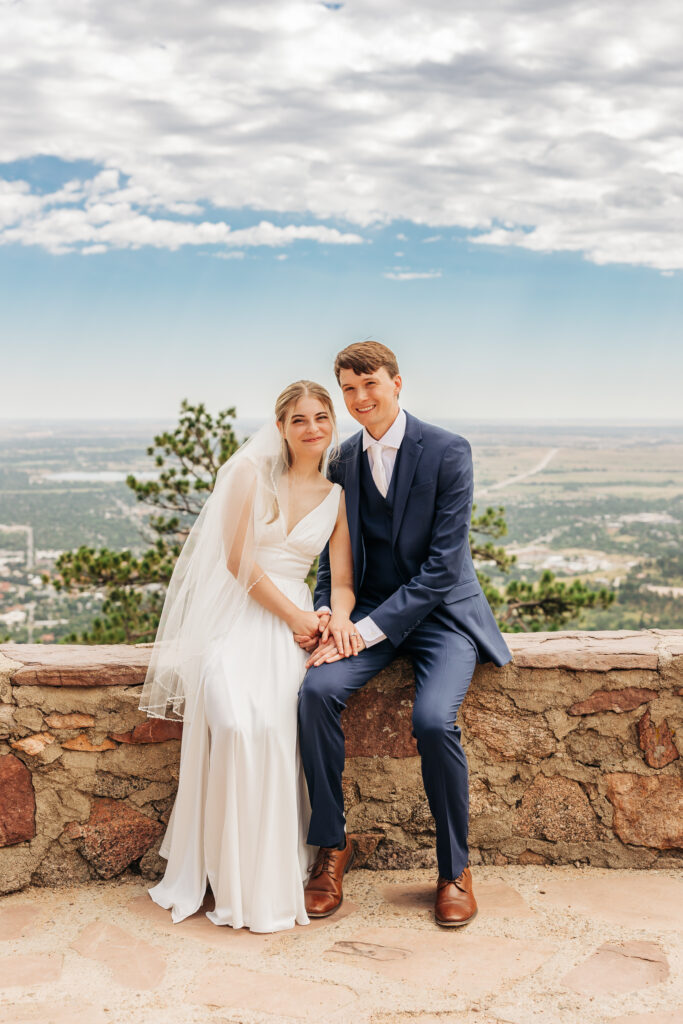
323, 861
458, 882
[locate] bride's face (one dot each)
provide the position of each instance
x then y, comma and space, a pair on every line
308, 430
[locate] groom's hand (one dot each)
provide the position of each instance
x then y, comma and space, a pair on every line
328, 652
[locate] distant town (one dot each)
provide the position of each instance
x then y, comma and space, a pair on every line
598, 502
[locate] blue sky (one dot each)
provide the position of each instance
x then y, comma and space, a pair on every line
509, 224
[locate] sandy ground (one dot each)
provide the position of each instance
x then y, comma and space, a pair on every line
559, 945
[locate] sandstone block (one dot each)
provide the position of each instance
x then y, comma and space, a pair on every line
152, 865
34, 744
394, 854
647, 900
6, 718
55, 807
152, 793
118, 710
559, 722
530, 857
17, 864
366, 844
387, 780
83, 742
556, 808
618, 967
60, 867
426, 960
28, 969
77, 664
648, 810
66, 1011
133, 962
490, 817
17, 802
154, 730
20, 920
656, 741
584, 651
509, 734
76, 720
116, 786
114, 836
350, 791
261, 996
7, 669
156, 762
590, 747
28, 718
626, 699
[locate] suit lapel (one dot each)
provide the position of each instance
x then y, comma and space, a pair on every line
411, 452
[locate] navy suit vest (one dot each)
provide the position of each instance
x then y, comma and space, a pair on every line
381, 578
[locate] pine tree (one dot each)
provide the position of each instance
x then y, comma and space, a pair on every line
188, 459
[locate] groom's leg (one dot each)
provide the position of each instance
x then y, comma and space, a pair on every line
443, 663
322, 698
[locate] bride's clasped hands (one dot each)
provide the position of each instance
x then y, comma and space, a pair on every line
333, 637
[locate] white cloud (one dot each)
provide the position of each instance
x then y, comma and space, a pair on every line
401, 274
107, 219
432, 238
554, 127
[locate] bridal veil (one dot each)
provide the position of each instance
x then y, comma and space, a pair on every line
214, 572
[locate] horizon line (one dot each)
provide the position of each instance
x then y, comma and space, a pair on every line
644, 420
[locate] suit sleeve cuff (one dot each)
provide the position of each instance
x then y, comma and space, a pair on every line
370, 631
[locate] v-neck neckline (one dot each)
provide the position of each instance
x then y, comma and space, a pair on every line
289, 533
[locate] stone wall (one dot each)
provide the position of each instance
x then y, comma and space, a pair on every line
572, 747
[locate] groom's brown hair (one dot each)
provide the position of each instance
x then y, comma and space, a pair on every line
366, 357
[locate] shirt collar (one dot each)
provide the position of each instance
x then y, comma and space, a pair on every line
392, 438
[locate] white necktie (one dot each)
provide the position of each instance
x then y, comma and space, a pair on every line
378, 473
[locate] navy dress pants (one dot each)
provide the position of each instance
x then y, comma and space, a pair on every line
443, 662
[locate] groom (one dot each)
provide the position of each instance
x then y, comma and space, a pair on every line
408, 489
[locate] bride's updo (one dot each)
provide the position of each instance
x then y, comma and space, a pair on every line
284, 407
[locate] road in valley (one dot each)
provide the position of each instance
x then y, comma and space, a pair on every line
538, 468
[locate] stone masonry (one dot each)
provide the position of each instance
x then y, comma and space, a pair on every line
574, 754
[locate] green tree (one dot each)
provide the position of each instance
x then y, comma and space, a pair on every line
547, 604
188, 459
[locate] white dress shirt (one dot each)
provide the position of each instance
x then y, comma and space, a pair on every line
386, 447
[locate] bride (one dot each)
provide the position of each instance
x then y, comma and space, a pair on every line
225, 662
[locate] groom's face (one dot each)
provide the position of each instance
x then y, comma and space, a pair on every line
371, 398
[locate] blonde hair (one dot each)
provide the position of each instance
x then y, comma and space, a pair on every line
284, 407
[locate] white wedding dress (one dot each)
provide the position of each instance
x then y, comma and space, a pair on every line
241, 813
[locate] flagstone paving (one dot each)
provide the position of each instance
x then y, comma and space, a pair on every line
558, 945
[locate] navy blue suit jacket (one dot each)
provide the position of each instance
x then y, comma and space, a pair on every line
431, 523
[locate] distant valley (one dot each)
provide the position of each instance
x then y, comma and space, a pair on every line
599, 502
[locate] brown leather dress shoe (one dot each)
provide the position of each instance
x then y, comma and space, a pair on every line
455, 902
323, 892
